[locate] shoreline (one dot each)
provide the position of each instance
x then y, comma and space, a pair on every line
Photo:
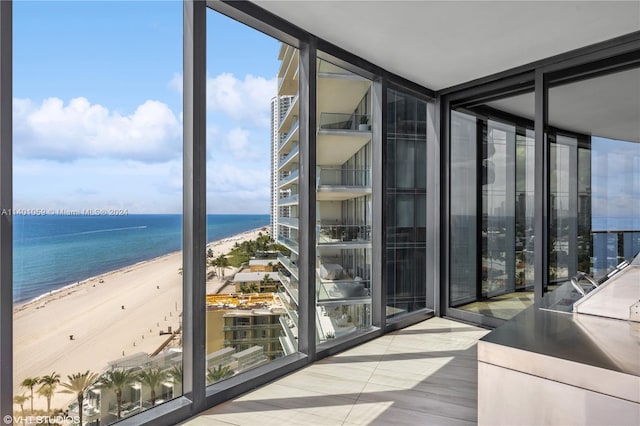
72, 286
88, 325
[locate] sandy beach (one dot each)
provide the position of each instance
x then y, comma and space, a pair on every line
114, 314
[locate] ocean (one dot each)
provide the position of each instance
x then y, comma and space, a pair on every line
50, 252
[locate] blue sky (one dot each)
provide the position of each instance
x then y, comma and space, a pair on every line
98, 108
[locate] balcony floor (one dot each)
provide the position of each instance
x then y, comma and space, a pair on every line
423, 374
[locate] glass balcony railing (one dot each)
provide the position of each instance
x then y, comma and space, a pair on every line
609, 248
293, 245
289, 178
289, 156
287, 138
289, 221
287, 263
343, 290
344, 233
290, 284
292, 106
344, 177
338, 121
291, 199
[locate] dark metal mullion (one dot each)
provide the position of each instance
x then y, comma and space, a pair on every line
443, 117
433, 208
194, 202
573, 206
481, 142
6, 206
308, 83
541, 188
378, 241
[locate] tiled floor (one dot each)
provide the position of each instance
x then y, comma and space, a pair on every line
425, 374
505, 306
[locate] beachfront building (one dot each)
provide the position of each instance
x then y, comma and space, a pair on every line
343, 200
437, 159
264, 265
279, 107
255, 282
240, 322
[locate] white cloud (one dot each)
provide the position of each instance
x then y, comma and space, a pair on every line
247, 101
235, 188
79, 129
238, 143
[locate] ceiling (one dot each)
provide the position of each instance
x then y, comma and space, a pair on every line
439, 44
607, 106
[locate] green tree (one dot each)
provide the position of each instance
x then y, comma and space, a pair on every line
176, 375
152, 377
78, 384
117, 381
218, 373
30, 383
48, 386
20, 400
222, 263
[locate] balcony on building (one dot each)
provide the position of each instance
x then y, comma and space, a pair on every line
288, 73
288, 180
290, 160
341, 135
289, 117
290, 138
288, 243
338, 184
288, 200
291, 222
333, 234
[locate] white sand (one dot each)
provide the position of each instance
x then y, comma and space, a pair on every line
103, 331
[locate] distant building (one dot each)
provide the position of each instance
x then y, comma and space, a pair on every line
256, 282
279, 107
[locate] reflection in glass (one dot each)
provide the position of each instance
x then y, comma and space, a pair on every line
406, 215
343, 202
502, 228
463, 231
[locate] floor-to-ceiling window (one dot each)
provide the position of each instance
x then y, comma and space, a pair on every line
594, 202
97, 224
252, 199
406, 201
492, 208
343, 202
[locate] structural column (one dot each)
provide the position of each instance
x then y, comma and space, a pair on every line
541, 188
307, 199
378, 240
6, 207
194, 201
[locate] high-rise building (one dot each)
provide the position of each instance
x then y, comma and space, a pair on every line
279, 107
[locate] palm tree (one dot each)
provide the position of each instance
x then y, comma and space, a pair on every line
219, 373
78, 384
30, 383
117, 381
176, 374
152, 377
222, 262
20, 400
48, 386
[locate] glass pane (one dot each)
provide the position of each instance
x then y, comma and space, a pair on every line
252, 198
406, 214
499, 224
98, 197
343, 195
463, 231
